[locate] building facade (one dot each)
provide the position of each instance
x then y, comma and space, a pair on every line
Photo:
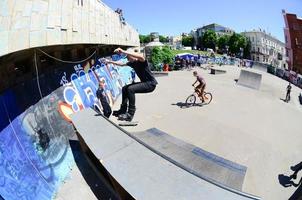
175, 42
36, 23
218, 29
293, 41
266, 49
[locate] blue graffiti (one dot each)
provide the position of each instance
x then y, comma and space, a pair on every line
82, 91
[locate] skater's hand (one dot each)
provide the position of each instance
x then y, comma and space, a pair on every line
106, 61
119, 51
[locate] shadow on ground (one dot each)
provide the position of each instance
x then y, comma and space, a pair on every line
97, 186
287, 181
185, 105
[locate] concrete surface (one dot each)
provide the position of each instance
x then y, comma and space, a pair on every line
38, 23
250, 79
193, 159
254, 128
217, 71
83, 181
141, 172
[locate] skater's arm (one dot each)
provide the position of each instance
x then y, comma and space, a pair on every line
121, 64
138, 56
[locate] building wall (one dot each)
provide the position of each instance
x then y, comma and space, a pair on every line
293, 40
267, 49
218, 29
34, 23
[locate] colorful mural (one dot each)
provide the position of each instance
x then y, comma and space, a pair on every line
35, 156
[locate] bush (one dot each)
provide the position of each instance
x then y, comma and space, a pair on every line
161, 56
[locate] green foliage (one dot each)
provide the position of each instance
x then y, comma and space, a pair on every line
144, 39
237, 42
209, 39
161, 56
163, 39
247, 50
223, 41
187, 41
156, 56
167, 55
175, 52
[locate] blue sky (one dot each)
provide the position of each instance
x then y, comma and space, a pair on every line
172, 17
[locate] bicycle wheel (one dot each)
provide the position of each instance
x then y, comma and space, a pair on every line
207, 97
190, 101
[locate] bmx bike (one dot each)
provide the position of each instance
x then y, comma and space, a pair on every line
191, 100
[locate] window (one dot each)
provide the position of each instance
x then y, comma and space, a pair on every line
258, 50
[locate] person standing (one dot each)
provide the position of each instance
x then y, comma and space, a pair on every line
100, 93
148, 83
288, 90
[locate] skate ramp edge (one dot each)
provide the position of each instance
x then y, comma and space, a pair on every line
250, 79
140, 169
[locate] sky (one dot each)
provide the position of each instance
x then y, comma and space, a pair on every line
172, 17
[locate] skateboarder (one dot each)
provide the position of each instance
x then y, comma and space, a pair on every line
100, 93
288, 90
148, 83
202, 85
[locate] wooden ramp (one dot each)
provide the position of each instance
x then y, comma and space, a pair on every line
137, 167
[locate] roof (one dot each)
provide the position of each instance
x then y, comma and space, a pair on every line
155, 44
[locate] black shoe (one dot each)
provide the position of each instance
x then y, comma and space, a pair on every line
294, 176
121, 111
125, 117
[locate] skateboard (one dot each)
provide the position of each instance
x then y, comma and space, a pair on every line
126, 123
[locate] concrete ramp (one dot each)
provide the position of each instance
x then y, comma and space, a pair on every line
194, 159
138, 168
250, 79
217, 71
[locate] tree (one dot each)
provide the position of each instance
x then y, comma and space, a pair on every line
167, 55
223, 41
163, 39
156, 56
187, 41
144, 39
247, 50
209, 39
234, 47
161, 55
239, 44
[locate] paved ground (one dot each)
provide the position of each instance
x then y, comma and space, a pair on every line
83, 182
250, 127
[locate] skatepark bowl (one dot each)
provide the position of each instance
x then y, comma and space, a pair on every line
55, 146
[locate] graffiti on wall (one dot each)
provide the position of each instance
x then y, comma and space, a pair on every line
35, 156
81, 86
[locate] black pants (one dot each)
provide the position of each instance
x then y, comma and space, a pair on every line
128, 92
287, 98
106, 109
